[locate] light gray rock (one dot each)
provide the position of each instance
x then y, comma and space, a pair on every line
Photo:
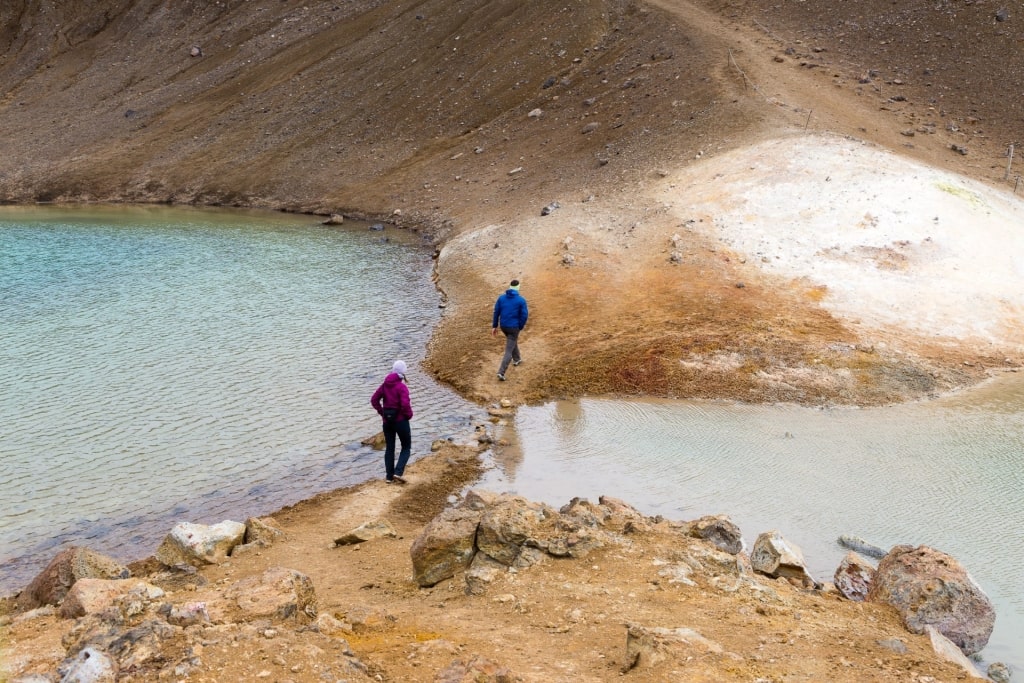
90, 665
930, 588
52, 584
948, 651
853, 577
859, 545
774, 556
446, 546
999, 672
185, 614
199, 544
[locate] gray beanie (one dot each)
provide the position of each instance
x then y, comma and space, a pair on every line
399, 367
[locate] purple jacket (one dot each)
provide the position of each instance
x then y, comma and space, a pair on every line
393, 394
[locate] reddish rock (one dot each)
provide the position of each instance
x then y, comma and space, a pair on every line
930, 588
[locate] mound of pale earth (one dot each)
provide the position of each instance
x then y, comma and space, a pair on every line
890, 245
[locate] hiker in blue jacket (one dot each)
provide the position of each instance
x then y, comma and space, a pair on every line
510, 314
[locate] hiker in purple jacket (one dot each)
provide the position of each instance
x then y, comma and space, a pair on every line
391, 401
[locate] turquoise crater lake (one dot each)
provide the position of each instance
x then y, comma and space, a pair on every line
163, 365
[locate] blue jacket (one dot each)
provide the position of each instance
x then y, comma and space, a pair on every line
510, 310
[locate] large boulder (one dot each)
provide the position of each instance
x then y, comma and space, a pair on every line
446, 546
930, 588
774, 556
513, 527
199, 544
853, 577
507, 525
68, 566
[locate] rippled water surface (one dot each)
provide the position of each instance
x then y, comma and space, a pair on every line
162, 365
947, 473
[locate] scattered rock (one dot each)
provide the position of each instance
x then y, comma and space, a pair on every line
648, 646
68, 566
590, 127
858, 544
999, 672
90, 665
196, 51
775, 556
547, 210
950, 652
185, 614
367, 531
476, 670
445, 547
853, 577
535, 113
262, 530
334, 219
199, 544
278, 593
91, 596
720, 531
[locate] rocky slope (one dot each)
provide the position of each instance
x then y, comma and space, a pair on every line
468, 118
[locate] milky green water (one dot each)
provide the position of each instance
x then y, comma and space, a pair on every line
947, 473
162, 365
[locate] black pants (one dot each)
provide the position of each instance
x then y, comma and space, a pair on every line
404, 432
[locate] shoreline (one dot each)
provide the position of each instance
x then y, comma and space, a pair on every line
385, 613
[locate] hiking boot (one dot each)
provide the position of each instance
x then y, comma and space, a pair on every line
517, 362
501, 377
